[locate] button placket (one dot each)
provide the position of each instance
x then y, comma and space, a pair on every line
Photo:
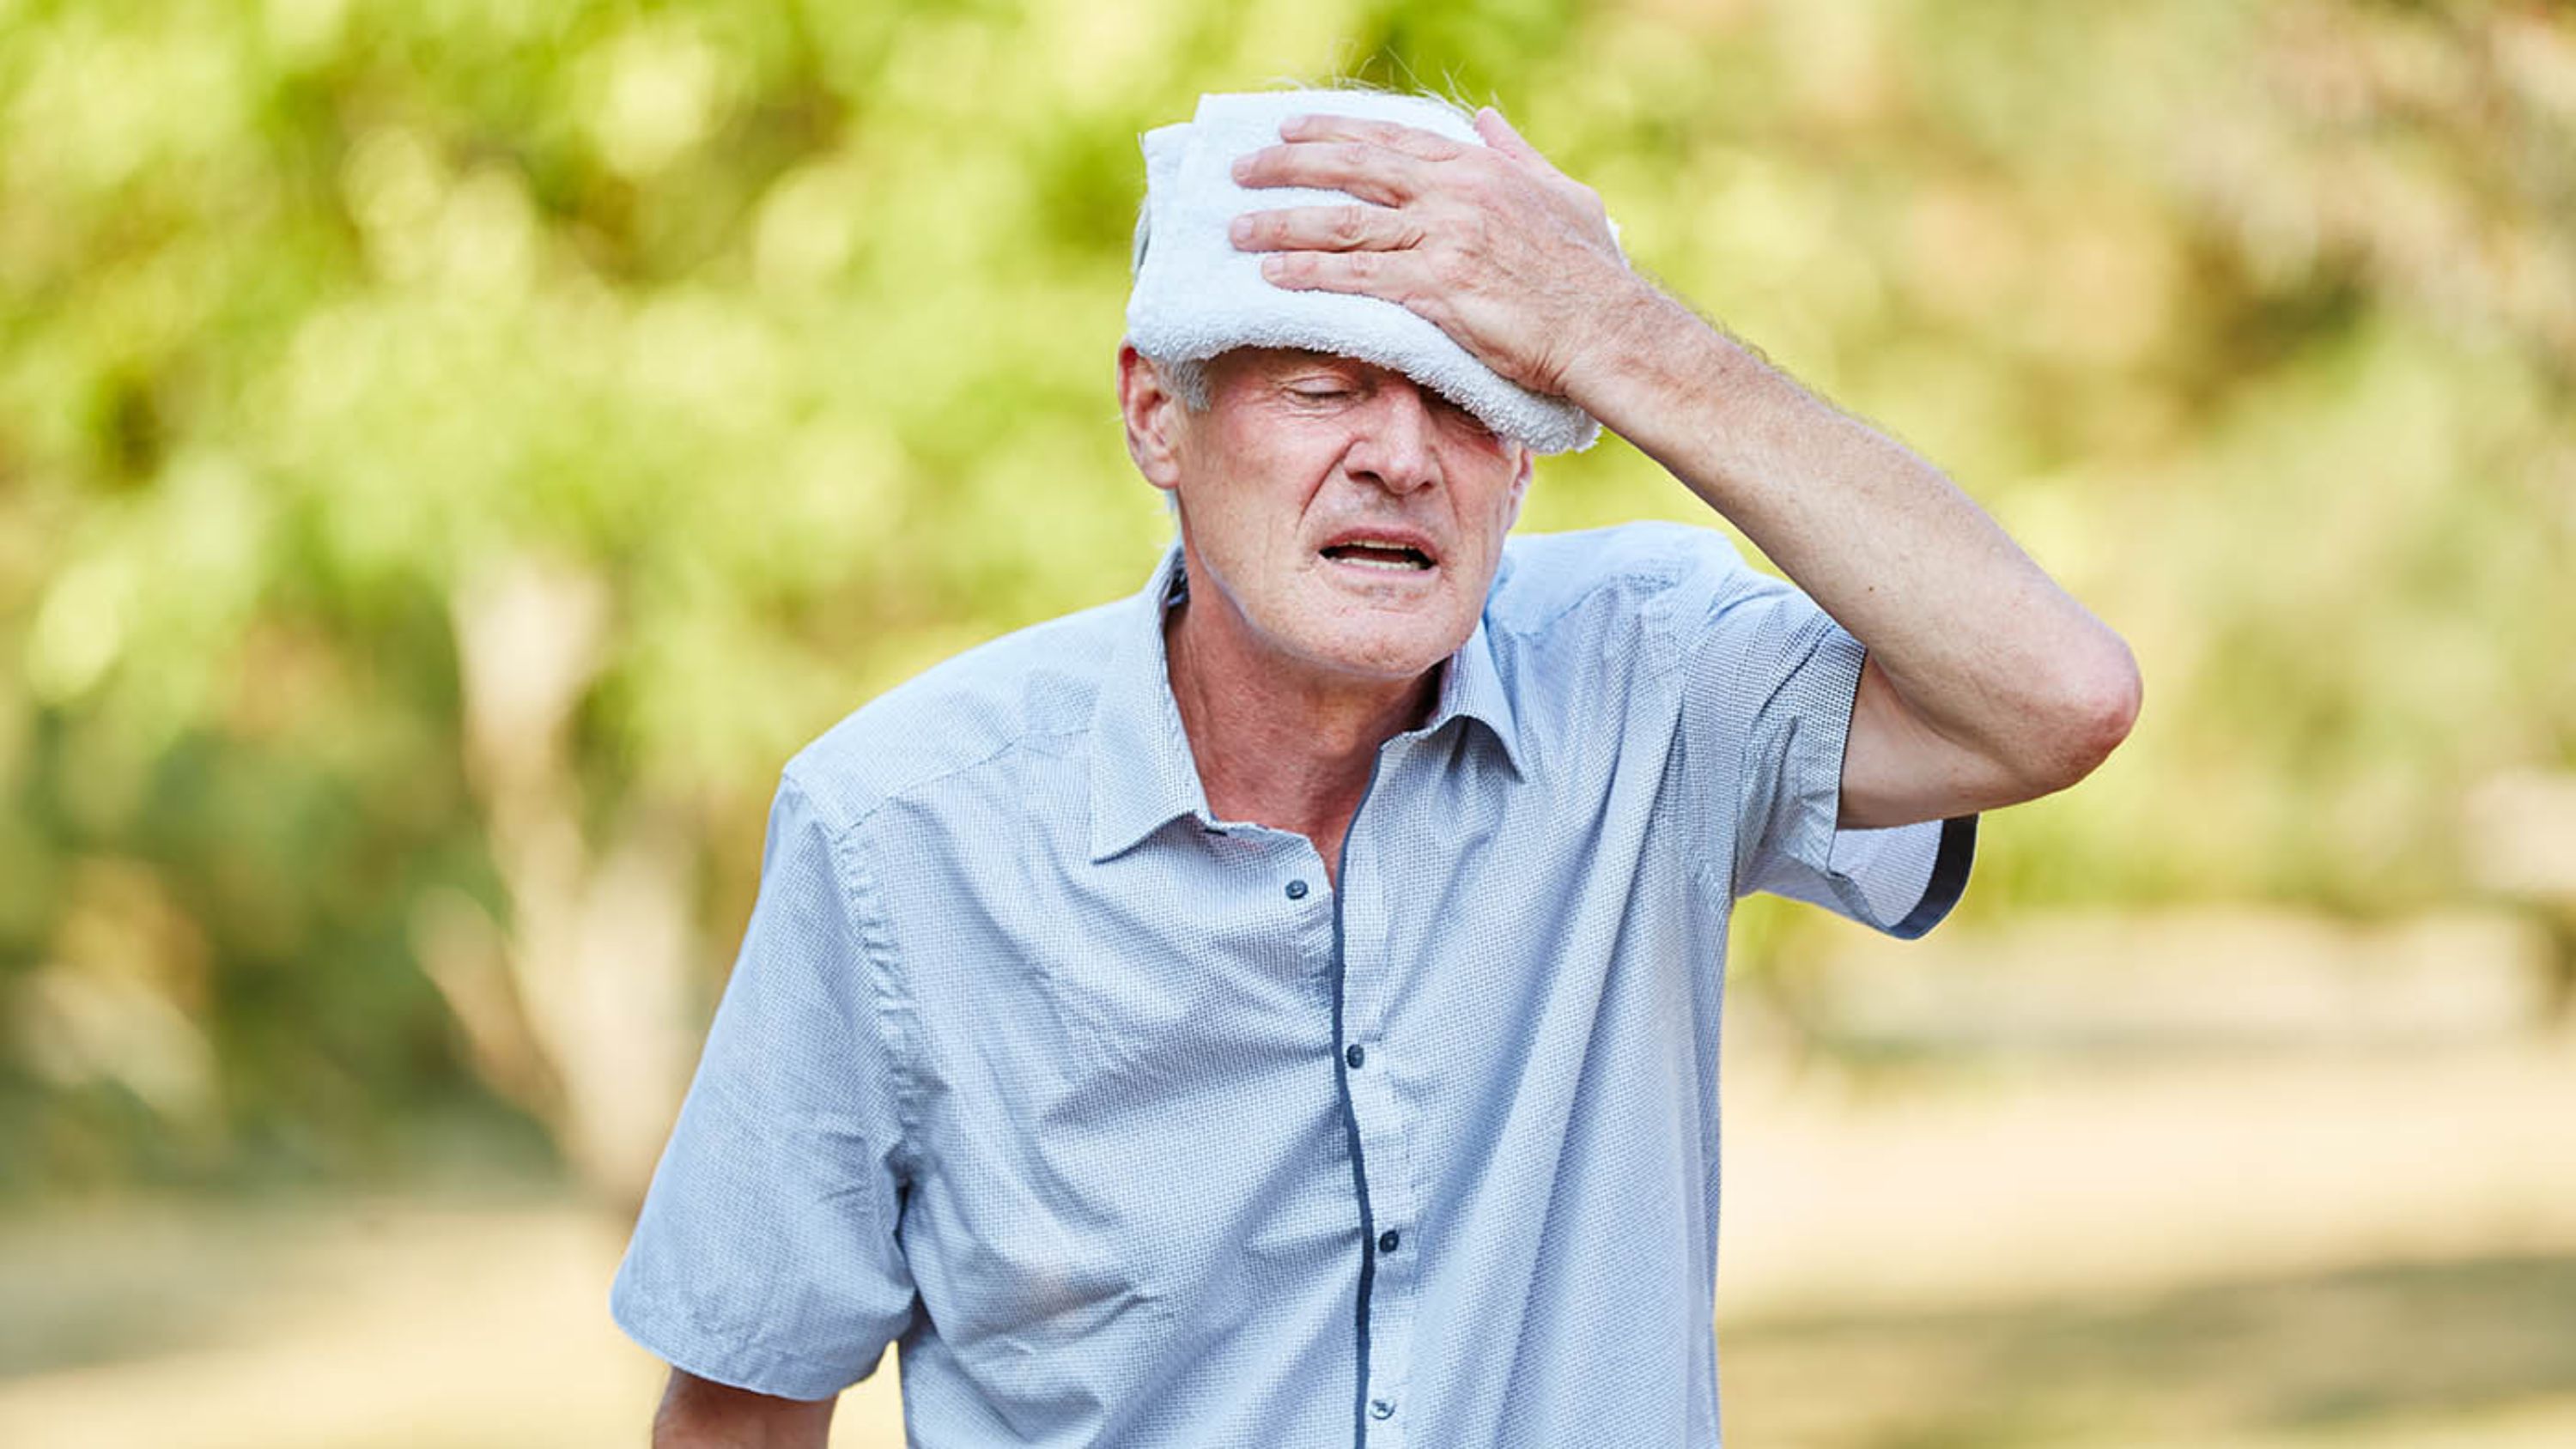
1385, 1133
1290, 875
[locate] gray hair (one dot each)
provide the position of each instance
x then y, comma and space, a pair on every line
1186, 378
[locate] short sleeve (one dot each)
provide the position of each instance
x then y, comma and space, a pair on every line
766, 1254
1772, 670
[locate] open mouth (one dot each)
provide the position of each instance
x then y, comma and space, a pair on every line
1392, 557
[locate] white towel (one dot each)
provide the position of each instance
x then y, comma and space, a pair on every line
1195, 295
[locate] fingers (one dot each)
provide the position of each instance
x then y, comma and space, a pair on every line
1498, 133
1378, 161
1395, 276
1364, 169
1325, 228
1411, 140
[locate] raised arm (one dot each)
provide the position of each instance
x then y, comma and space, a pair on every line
1986, 683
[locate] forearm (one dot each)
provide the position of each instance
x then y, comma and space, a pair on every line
1978, 641
698, 1413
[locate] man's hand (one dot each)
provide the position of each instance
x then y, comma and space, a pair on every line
1508, 255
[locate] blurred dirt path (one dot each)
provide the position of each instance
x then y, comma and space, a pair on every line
2234, 1253
2010, 1184
385, 1326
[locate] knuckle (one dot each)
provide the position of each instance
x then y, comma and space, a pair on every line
1350, 225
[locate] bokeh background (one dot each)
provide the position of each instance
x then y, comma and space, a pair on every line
453, 452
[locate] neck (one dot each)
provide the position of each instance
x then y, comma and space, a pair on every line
1276, 745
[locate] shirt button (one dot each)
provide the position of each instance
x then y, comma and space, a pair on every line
1354, 1056
1381, 1408
1296, 890
1387, 1240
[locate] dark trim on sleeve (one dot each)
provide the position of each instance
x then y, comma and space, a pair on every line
1949, 878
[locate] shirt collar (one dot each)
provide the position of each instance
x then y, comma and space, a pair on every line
1143, 775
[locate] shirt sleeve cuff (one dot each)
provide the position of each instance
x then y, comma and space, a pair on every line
1901, 880
757, 1368
1933, 879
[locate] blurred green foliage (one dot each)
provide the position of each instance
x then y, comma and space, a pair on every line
782, 334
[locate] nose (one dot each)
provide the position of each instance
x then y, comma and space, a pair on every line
1396, 447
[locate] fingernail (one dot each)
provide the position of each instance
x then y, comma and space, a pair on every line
1242, 166
1273, 265
1240, 229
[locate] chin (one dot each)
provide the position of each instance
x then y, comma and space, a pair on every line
1390, 653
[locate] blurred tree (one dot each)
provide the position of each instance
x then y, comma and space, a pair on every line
451, 453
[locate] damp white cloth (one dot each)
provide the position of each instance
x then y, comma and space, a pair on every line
1195, 295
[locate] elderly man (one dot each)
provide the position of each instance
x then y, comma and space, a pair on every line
1282, 1008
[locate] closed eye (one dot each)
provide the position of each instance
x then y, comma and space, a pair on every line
1462, 419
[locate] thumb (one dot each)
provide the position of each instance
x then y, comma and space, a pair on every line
1498, 133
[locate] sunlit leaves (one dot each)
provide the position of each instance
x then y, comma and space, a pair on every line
785, 331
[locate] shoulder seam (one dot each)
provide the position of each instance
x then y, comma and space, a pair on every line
918, 785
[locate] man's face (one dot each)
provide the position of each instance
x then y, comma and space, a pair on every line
1350, 519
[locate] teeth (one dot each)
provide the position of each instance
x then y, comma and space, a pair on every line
1380, 555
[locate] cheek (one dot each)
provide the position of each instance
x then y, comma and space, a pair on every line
1276, 464
1491, 515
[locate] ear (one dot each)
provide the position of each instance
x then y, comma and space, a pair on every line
1520, 482
1154, 417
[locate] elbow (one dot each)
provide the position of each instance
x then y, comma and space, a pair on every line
2111, 708
2086, 716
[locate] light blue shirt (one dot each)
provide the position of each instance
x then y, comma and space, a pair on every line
1130, 1129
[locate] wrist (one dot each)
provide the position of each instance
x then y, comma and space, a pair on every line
1644, 355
